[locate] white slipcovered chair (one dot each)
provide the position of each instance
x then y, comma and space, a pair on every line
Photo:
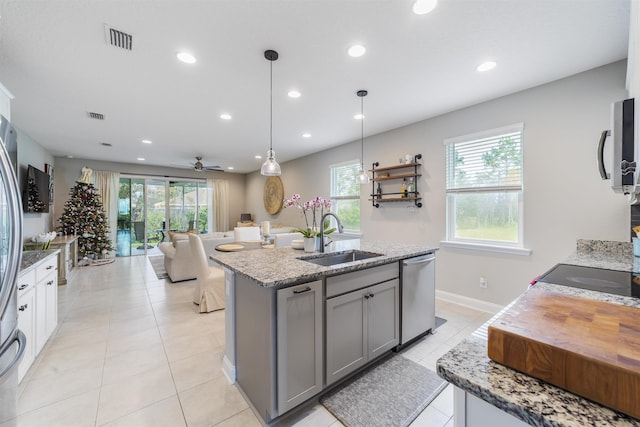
284, 239
209, 293
244, 234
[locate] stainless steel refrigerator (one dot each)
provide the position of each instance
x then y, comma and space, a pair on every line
12, 340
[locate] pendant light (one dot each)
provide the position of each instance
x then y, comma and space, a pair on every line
364, 177
271, 166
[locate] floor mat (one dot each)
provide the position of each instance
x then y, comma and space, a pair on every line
392, 393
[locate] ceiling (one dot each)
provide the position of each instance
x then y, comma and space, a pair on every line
56, 61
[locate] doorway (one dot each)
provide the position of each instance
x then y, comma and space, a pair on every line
144, 206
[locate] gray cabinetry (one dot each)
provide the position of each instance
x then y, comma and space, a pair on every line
362, 323
300, 350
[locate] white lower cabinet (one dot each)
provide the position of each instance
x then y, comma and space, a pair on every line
27, 319
37, 308
470, 411
300, 350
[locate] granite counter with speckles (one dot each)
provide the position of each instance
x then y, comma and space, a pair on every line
534, 401
32, 258
284, 266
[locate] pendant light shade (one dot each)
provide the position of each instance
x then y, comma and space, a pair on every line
364, 176
271, 167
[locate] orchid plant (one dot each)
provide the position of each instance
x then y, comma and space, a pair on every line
45, 239
313, 208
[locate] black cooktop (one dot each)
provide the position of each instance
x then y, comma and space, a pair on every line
595, 279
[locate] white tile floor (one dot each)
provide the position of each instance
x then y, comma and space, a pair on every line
131, 350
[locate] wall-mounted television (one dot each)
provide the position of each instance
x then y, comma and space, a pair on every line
35, 198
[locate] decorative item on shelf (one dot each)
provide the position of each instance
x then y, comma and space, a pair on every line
315, 207
271, 167
45, 239
408, 188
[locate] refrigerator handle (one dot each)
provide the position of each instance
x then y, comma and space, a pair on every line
601, 168
20, 337
418, 261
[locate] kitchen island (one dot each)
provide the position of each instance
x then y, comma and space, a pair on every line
294, 328
486, 390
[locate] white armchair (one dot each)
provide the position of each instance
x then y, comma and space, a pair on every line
284, 239
179, 262
209, 292
244, 234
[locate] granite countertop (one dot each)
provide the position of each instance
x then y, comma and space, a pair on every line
534, 401
282, 266
31, 258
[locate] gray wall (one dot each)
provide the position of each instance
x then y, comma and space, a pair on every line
68, 171
32, 153
564, 198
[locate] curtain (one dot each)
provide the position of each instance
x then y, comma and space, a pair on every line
108, 183
219, 200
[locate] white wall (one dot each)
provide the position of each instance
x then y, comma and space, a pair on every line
68, 171
564, 196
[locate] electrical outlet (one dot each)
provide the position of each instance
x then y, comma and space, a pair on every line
483, 282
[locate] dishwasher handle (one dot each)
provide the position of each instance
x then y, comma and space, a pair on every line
420, 260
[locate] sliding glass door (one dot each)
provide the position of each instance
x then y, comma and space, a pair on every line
146, 203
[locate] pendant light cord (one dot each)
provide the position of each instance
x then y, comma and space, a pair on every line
271, 106
362, 132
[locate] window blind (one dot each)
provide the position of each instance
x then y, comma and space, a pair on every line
491, 161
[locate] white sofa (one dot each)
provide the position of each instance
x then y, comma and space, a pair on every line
179, 261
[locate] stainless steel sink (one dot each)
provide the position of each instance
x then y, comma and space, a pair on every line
339, 257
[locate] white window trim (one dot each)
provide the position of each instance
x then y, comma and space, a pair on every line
347, 233
517, 248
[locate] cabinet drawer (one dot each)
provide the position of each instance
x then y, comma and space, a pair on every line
26, 281
47, 267
337, 285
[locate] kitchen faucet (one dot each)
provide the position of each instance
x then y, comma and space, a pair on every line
340, 228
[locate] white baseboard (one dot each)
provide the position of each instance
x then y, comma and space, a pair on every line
229, 370
476, 304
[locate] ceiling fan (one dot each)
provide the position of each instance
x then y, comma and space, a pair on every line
199, 167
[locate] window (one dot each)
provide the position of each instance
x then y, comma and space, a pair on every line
345, 194
484, 187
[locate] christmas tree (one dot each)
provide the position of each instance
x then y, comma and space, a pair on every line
84, 216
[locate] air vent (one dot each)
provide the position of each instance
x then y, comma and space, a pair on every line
97, 116
106, 144
119, 39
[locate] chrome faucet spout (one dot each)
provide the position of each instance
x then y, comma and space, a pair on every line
340, 228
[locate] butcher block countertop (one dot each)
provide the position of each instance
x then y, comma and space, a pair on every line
529, 399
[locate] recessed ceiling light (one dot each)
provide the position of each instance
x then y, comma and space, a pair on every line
230, 168
356, 50
258, 156
225, 116
294, 94
69, 156
359, 116
486, 66
186, 57
147, 141
140, 159
422, 7
306, 135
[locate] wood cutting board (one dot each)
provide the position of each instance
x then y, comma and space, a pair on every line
588, 347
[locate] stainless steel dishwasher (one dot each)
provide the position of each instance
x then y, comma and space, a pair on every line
418, 296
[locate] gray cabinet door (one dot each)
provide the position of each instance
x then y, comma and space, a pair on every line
346, 334
300, 352
383, 327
